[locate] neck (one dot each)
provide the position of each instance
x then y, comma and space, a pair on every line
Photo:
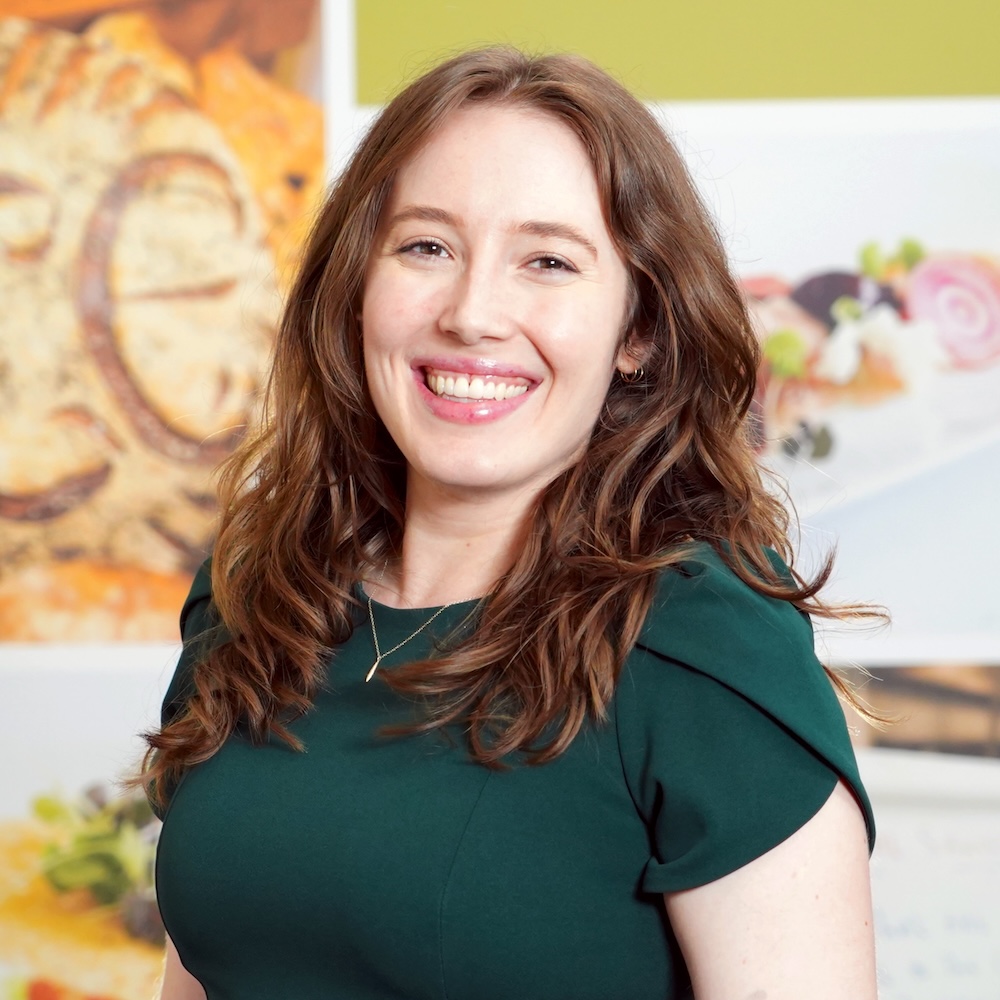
455, 547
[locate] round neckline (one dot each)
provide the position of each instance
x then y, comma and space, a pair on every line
434, 625
388, 610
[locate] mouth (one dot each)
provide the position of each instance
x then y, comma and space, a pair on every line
472, 387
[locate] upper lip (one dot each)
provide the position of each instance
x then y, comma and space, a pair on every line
476, 366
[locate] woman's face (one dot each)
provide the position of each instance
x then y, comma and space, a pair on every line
494, 304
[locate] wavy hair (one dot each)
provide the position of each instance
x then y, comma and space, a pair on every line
314, 498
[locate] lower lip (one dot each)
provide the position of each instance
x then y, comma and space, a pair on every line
479, 411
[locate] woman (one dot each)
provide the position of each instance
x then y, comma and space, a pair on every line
497, 684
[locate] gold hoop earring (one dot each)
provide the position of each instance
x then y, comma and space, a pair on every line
634, 376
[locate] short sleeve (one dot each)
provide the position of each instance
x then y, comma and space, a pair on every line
730, 732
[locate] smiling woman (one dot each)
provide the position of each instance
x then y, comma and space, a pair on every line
505, 474
494, 308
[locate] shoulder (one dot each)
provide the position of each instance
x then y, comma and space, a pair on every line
710, 638
706, 616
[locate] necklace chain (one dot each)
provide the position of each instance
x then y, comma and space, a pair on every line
379, 655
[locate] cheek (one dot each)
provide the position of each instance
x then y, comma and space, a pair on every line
582, 343
592, 317
382, 330
582, 370
394, 310
386, 337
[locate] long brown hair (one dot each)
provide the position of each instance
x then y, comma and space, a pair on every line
314, 498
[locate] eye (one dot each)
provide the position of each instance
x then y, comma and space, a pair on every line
424, 248
550, 262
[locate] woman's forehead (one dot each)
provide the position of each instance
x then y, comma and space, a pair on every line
500, 161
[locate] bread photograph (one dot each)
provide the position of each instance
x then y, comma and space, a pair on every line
157, 168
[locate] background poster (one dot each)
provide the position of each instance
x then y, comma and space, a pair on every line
875, 279
157, 167
159, 164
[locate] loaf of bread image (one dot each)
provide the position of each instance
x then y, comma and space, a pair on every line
275, 132
140, 302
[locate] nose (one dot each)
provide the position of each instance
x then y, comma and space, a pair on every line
478, 306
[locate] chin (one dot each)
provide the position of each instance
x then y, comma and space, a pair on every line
460, 477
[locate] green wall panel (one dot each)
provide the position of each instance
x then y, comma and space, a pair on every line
715, 49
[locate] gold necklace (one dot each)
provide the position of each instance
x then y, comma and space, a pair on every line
379, 655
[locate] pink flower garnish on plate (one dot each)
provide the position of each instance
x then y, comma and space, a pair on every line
960, 295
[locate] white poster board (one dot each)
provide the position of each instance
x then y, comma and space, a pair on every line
935, 874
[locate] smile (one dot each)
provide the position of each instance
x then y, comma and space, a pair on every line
469, 387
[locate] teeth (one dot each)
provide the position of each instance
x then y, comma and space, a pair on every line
463, 387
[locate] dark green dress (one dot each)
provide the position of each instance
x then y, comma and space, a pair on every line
376, 869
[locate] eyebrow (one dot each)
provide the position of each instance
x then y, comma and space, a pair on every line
532, 227
557, 231
423, 213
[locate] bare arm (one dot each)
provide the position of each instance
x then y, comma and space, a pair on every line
794, 923
178, 983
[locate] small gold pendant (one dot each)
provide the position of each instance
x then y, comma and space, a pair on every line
371, 673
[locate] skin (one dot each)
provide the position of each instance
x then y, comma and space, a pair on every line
458, 272
178, 983
463, 270
796, 922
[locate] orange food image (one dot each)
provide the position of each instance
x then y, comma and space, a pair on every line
132, 249
276, 132
278, 135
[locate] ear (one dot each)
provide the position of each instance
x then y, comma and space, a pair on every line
633, 354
